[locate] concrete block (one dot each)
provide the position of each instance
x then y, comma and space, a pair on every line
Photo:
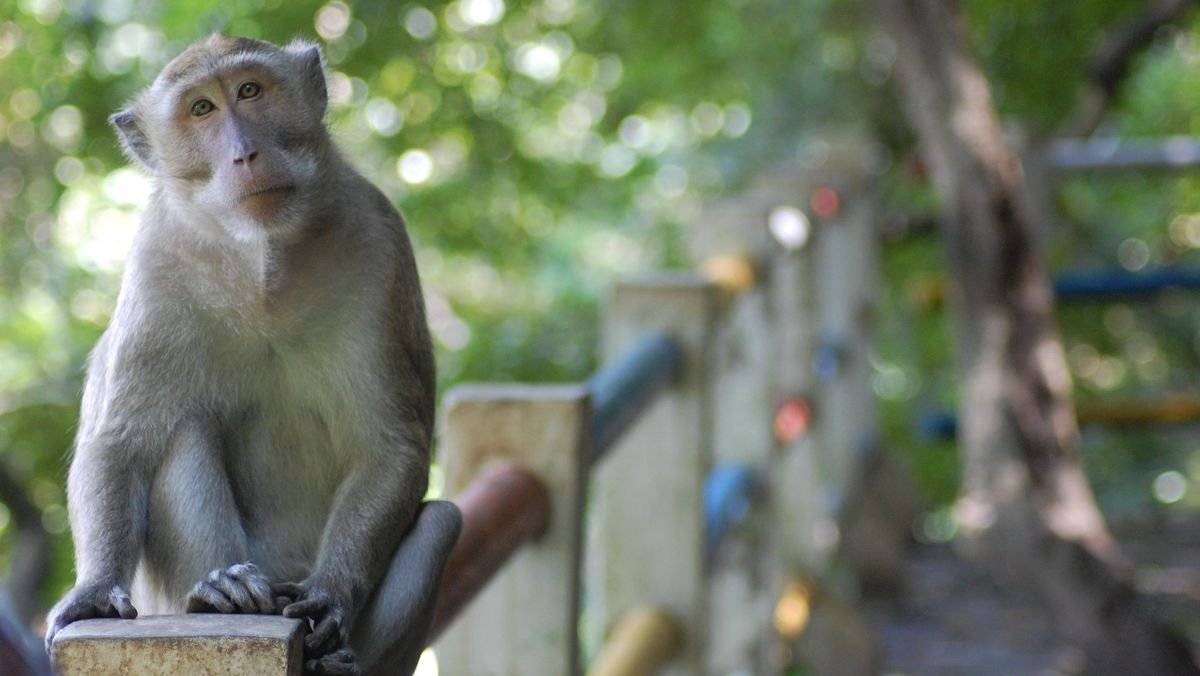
168, 645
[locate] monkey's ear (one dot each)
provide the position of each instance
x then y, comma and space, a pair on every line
134, 141
313, 68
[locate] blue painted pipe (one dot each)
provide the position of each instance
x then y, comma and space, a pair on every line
1119, 282
729, 492
622, 389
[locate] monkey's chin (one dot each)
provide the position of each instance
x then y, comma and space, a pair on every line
266, 206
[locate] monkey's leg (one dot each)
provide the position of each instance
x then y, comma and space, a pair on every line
391, 631
195, 539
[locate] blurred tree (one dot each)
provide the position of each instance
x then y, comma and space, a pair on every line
1026, 503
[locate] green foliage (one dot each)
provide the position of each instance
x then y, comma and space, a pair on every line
1036, 52
539, 150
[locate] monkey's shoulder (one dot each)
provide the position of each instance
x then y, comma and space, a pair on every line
371, 211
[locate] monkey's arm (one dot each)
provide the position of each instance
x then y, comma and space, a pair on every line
373, 509
108, 484
107, 499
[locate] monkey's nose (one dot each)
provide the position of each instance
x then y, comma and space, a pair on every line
246, 158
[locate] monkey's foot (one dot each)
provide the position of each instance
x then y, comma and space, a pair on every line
327, 612
240, 588
338, 663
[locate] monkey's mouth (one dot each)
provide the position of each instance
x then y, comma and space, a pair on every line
277, 191
265, 203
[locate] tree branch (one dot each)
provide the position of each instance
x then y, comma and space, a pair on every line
1109, 65
30, 549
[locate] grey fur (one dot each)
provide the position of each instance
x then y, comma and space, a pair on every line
265, 391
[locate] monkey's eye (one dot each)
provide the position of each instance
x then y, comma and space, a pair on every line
248, 90
202, 107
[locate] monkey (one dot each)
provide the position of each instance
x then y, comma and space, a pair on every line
256, 421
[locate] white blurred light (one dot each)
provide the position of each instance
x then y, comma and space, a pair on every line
333, 20
737, 120
481, 12
558, 12
68, 170
427, 665
671, 181
538, 61
1133, 254
634, 131
415, 167
1170, 487
790, 227
469, 58
707, 119
383, 117
341, 89
420, 23
66, 121
616, 160
127, 187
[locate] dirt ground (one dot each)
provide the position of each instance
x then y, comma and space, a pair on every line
953, 620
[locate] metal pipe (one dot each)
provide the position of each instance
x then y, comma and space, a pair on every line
1124, 154
621, 389
643, 641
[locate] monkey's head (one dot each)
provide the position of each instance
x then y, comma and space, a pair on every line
233, 128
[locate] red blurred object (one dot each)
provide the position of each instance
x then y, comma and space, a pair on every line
792, 418
825, 202
503, 509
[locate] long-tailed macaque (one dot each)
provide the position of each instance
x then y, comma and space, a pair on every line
256, 422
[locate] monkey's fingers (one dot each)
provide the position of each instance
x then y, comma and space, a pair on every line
241, 588
205, 598
289, 590
325, 636
257, 586
87, 603
123, 604
311, 608
339, 663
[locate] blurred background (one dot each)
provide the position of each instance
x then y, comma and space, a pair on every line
541, 150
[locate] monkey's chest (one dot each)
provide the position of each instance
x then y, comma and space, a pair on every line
300, 417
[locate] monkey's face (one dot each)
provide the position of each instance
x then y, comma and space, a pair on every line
233, 128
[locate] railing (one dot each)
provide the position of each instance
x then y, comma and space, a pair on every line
1123, 154
695, 377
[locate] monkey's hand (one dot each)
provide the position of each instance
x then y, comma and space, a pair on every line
240, 588
326, 648
85, 601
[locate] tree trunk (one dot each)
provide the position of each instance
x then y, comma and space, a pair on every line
1026, 508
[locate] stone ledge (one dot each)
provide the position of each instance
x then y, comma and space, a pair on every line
167, 645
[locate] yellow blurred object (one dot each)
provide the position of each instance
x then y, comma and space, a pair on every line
1170, 408
642, 642
794, 609
734, 274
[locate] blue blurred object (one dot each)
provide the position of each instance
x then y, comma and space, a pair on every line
622, 388
1121, 282
21, 653
829, 356
936, 425
729, 492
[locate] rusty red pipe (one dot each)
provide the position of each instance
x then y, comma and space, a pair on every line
502, 509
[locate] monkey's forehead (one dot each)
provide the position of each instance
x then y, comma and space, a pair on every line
217, 54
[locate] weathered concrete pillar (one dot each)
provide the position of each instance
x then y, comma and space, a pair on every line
170, 645
525, 621
647, 492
